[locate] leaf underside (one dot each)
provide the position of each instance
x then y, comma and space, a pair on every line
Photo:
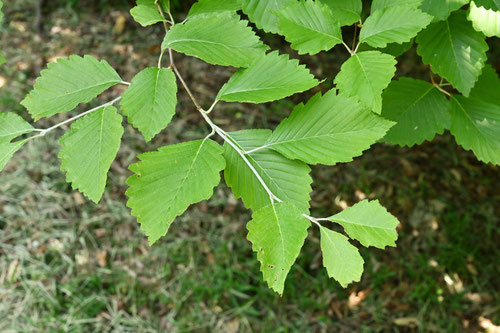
277, 233
268, 78
89, 148
327, 130
149, 102
166, 182
289, 180
67, 83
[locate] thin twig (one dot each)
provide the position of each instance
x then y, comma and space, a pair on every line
47, 130
179, 76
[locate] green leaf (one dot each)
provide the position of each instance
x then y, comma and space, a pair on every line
7, 150
487, 86
146, 13
419, 109
485, 20
383, 4
149, 102
454, 50
441, 9
214, 6
283, 77
327, 130
12, 126
67, 83
89, 148
393, 49
346, 12
277, 233
1, 13
365, 75
476, 126
369, 223
341, 259
262, 13
397, 24
287, 179
166, 182
309, 27
219, 39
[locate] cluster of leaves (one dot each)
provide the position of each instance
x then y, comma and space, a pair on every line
269, 170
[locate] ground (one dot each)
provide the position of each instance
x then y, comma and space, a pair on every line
68, 265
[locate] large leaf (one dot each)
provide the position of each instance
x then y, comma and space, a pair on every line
327, 130
219, 39
485, 20
476, 126
441, 9
369, 223
269, 78
214, 6
89, 148
382, 4
365, 75
310, 27
346, 12
166, 182
341, 259
454, 50
12, 126
146, 13
149, 102
67, 83
7, 150
395, 24
487, 87
262, 13
277, 233
420, 110
288, 180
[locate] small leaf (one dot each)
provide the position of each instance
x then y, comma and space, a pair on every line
395, 24
441, 9
341, 259
219, 39
262, 13
287, 179
277, 233
166, 182
149, 102
485, 20
67, 83
420, 110
454, 50
369, 223
365, 75
12, 126
7, 150
475, 124
327, 130
214, 6
89, 148
346, 12
309, 27
283, 77
146, 13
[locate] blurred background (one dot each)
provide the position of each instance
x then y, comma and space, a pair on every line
68, 265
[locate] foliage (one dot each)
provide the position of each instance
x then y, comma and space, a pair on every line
269, 169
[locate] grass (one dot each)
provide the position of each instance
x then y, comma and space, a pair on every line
67, 265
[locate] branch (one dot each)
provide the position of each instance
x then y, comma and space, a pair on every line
47, 130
